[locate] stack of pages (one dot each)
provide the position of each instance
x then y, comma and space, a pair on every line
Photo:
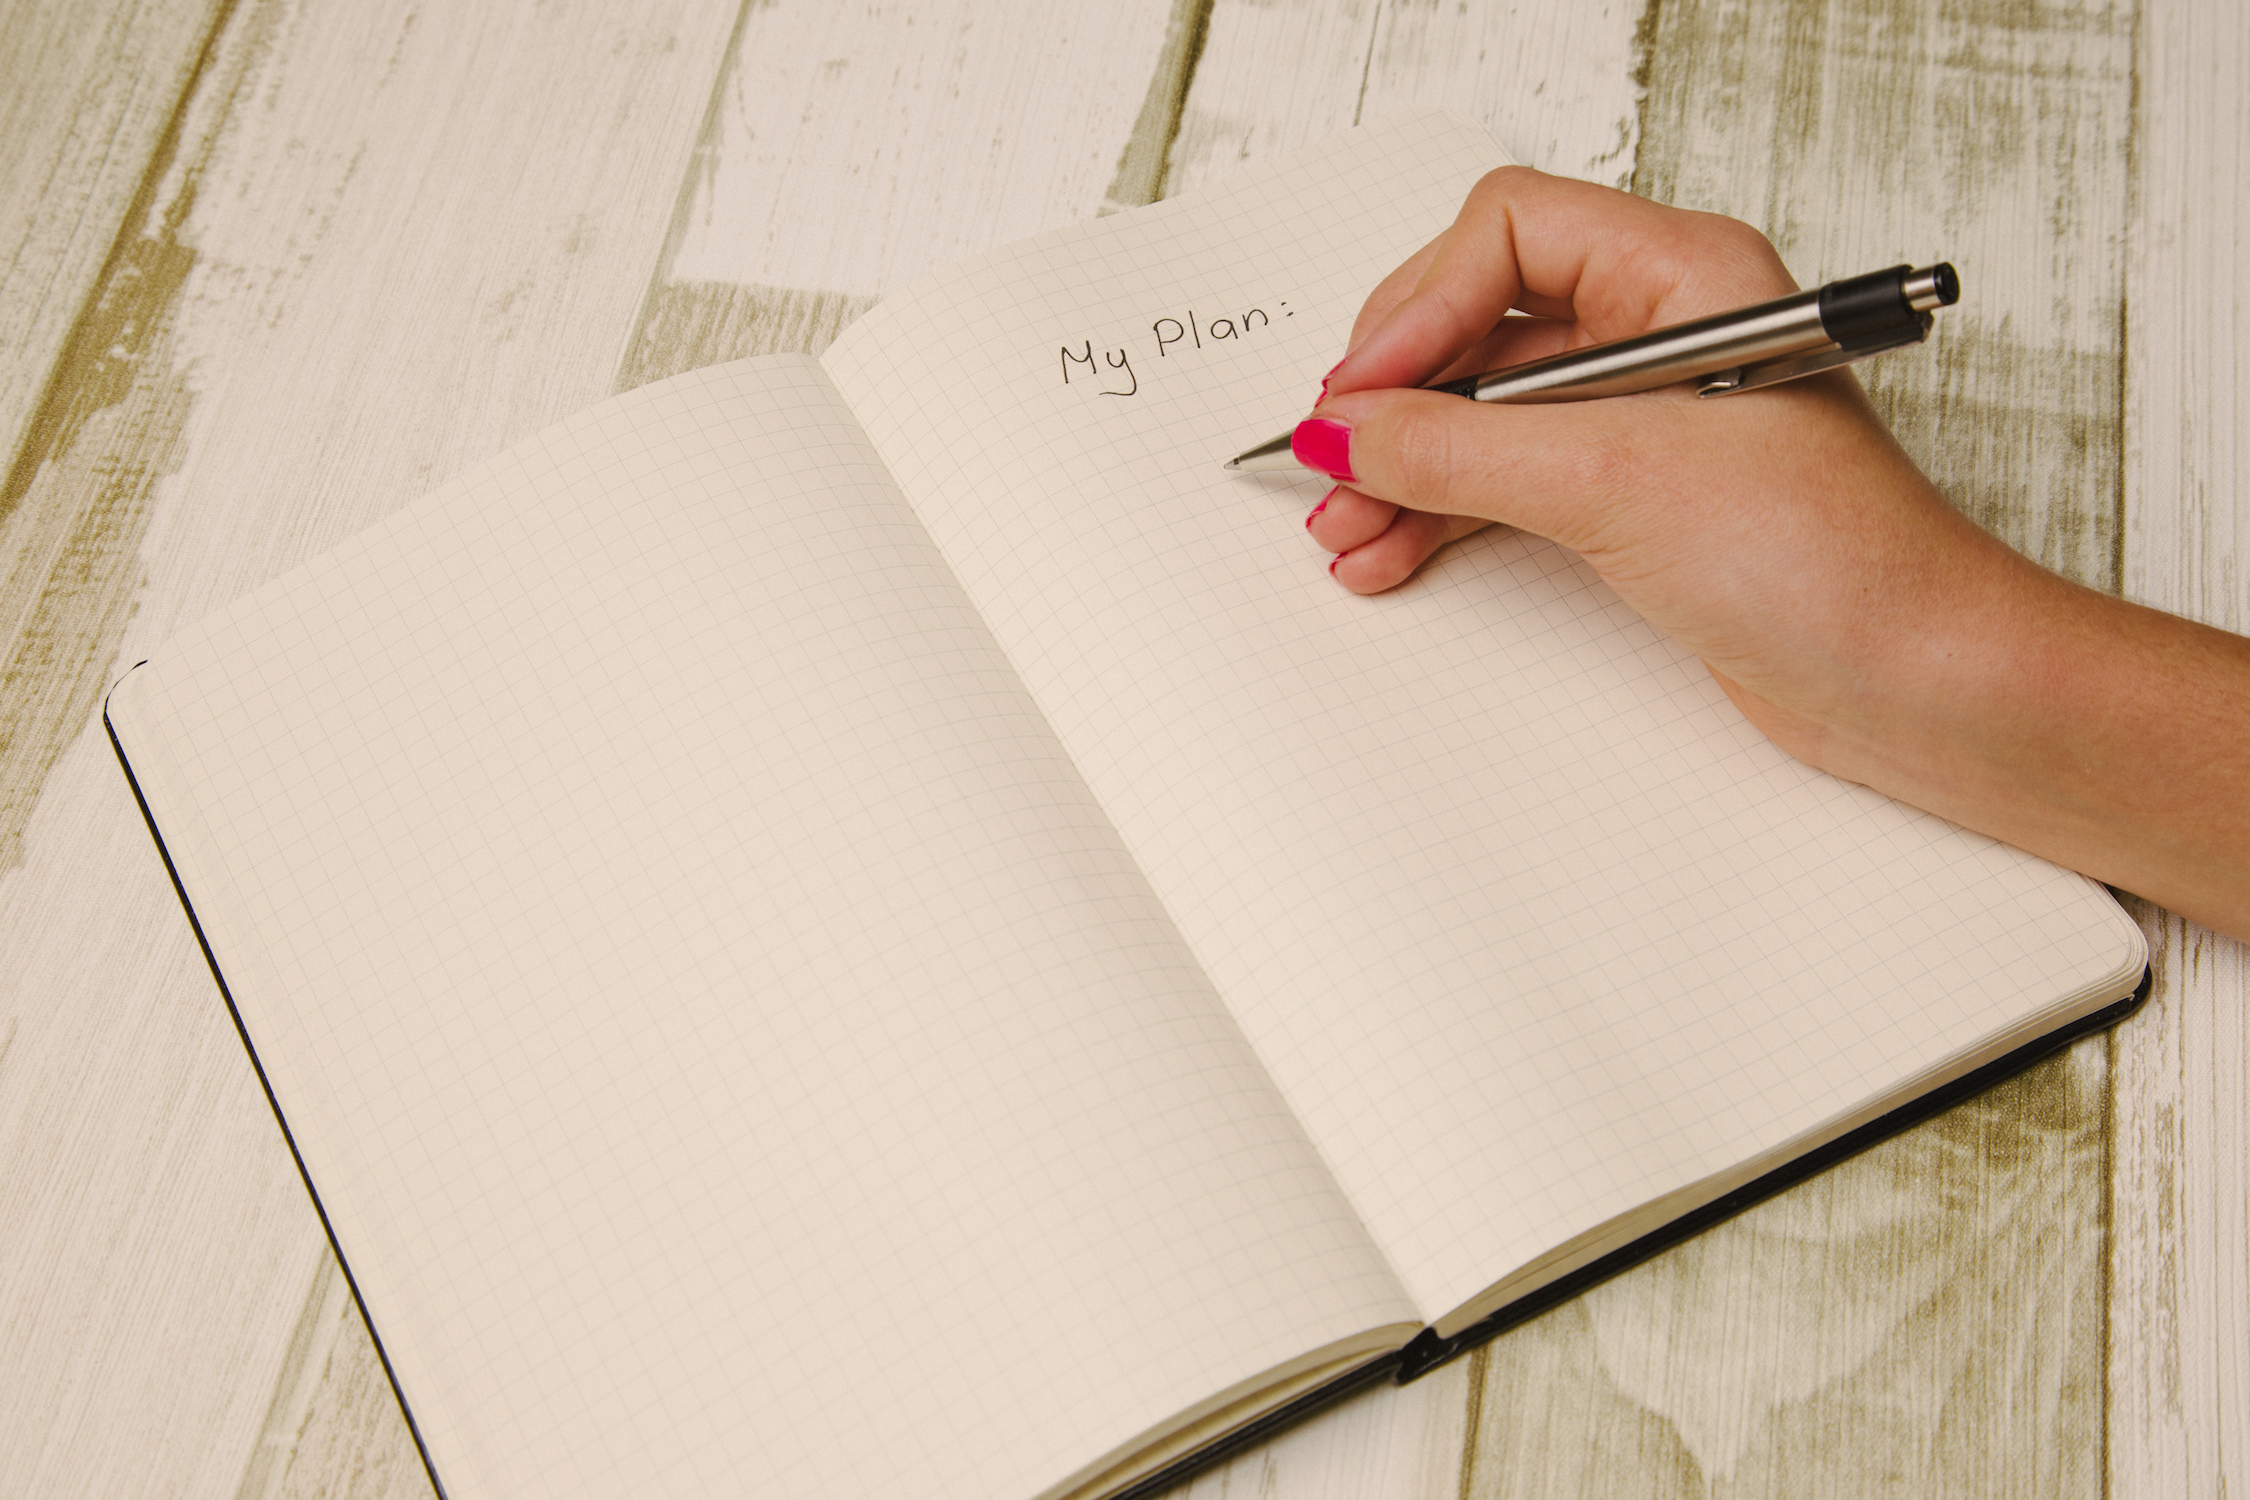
879, 927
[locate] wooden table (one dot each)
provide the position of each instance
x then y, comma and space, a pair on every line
273, 267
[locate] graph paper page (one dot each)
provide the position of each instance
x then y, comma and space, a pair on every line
734, 1050
1529, 924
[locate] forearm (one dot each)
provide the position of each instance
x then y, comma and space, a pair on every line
2105, 736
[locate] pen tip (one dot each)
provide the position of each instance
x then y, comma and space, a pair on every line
1273, 454
1231, 464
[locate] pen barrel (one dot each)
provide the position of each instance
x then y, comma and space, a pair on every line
1789, 325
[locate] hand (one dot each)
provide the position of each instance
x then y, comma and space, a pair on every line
1847, 608
1783, 535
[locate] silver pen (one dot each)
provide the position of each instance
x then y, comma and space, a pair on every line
1729, 352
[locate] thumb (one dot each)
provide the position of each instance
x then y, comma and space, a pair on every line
1563, 471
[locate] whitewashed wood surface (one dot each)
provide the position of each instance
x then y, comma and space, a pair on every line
278, 265
2179, 1263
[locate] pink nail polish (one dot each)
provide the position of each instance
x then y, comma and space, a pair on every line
1332, 369
1316, 510
1325, 444
1339, 557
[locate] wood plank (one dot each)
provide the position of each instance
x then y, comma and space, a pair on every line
2179, 1285
394, 239
1920, 1320
333, 1431
849, 152
90, 89
2179, 1368
2187, 521
1392, 1441
96, 115
1553, 82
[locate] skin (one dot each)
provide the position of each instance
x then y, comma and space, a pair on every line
1851, 612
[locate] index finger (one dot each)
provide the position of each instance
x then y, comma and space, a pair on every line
1613, 264
1510, 341
1392, 290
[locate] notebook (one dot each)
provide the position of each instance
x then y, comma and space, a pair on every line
877, 926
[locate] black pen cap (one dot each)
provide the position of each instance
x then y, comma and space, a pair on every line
1881, 305
1866, 308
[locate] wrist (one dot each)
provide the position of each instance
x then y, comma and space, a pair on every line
1960, 686
2094, 732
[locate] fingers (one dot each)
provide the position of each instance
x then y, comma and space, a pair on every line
1391, 291
1377, 545
1390, 556
1513, 342
1612, 263
1346, 518
1449, 307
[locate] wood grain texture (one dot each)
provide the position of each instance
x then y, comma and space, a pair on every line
847, 152
2179, 1365
2187, 516
333, 1431
1389, 1443
1920, 1321
2179, 1286
1994, 133
1553, 82
857, 150
92, 322
86, 90
395, 239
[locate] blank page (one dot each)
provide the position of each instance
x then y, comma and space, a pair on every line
1529, 924
733, 1049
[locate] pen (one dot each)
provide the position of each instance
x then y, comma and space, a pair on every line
1729, 352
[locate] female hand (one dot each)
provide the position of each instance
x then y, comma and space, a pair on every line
1843, 604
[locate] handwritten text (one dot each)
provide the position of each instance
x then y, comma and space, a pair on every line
1110, 372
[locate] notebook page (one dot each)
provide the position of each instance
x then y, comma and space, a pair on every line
1529, 924
732, 1047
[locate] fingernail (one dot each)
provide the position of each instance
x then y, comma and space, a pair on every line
1332, 369
1316, 510
1325, 444
1339, 557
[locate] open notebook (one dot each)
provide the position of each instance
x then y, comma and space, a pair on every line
878, 927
